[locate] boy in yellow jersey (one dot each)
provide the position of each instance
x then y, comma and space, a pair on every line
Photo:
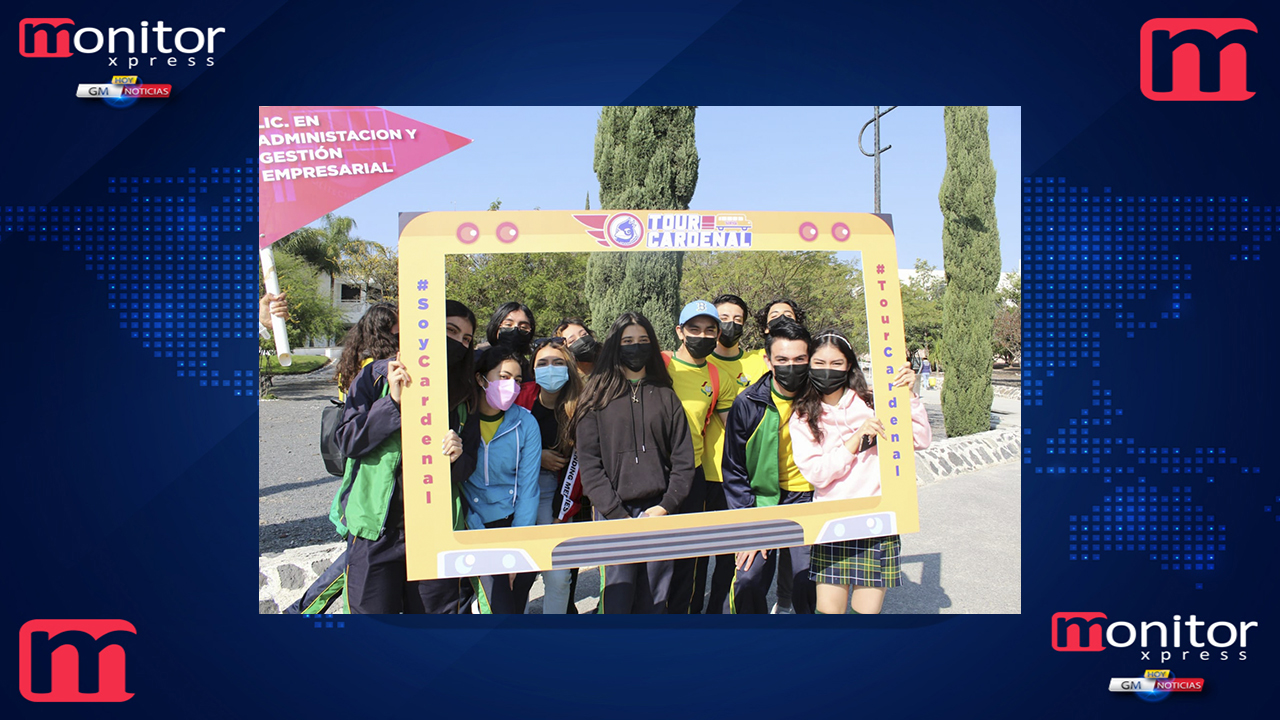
759, 470
744, 367
704, 392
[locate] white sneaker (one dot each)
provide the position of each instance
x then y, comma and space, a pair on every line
782, 610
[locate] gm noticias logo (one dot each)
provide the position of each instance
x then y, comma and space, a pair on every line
74, 660
123, 91
1083, 632
1197, 59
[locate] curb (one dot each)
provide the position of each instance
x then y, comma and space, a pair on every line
283, 576
952, 456
1000, 390
327, 363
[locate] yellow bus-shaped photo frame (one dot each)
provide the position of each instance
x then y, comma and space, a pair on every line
435, 550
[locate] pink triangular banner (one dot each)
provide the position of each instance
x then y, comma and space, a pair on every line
314, 160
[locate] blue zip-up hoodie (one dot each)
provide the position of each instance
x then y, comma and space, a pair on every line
505, 480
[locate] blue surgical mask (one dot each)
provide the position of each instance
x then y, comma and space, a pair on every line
551, 377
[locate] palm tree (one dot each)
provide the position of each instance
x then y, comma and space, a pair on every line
374, 267
326, 248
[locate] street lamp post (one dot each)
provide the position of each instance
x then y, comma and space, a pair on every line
875, 120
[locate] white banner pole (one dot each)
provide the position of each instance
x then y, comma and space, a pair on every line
272, 282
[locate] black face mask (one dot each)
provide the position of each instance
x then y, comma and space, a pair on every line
827, 381
700, 347
516, 338
774, 322
792, 378
585, 348
636, 356
730, 333
456, 351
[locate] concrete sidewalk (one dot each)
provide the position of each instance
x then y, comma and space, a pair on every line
294, 491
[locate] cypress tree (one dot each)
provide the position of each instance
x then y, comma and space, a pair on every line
971, 259
588, 201
645, 159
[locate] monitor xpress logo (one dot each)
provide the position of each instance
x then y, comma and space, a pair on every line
1084, 632
126, 47
1198, 59
74, 660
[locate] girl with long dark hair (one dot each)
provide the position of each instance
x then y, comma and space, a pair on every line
375, 336
437, 596
368, 509
460, 328
559, 389
579, 340
636, 454
513, 325
833, 433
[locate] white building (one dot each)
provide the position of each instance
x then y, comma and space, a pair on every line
349, 297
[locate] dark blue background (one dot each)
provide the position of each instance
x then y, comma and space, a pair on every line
129, 486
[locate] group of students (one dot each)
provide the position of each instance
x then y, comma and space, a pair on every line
568, 429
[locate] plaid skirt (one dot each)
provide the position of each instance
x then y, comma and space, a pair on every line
871, 562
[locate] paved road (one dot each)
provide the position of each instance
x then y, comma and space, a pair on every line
294, 491
967, 558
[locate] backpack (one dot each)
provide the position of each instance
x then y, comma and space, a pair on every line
334, 461
714, 372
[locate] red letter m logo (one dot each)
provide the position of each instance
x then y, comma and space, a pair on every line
74, 660
1197, 59
40, 37
1076, 632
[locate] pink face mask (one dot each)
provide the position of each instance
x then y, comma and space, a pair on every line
501, 393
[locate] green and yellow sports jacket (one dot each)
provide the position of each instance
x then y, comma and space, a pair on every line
750, 462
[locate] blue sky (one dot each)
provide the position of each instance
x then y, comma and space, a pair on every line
751, 158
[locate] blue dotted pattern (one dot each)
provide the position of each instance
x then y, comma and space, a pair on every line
1091, 260
328, 621
1142, 519
177, 257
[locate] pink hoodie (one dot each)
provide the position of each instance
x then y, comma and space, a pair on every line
834, 472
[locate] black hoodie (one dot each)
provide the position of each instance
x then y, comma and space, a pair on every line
636, 451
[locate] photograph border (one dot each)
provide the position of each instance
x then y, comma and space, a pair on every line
435, 550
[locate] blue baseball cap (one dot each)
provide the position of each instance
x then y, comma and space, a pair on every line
696, 308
